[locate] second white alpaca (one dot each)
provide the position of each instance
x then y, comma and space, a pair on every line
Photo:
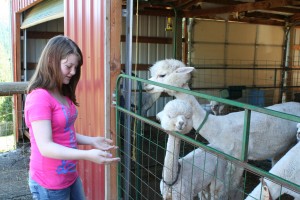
184, 178
288, 167
269, 136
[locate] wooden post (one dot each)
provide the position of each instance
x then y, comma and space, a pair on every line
115, 69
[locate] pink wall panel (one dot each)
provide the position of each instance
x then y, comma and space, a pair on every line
85, 23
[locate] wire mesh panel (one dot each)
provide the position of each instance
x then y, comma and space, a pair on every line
261, 84
203, 170
146, 156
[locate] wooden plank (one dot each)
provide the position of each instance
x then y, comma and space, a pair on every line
11, 88
152, 40
30, 66
27, 134
260, 5
42, 35
139, 67
115, 69
296, 47
259, 21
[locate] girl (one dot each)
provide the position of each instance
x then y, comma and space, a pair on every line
50, 114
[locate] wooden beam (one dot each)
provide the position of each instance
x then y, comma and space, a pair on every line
186, 4
260, 5
30, 66
223, 2
286, 10
294, 18
258, 21
263, 15
157, 12
11, 88
115, 21
42, 35
152, 40
296, 47
26, 133
140, 67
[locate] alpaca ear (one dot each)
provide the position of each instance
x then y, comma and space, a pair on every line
184, 70
298, 125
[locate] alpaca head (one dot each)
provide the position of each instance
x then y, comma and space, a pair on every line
176, 116
171, 72
216, 107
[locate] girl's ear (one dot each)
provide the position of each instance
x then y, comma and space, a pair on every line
184, 70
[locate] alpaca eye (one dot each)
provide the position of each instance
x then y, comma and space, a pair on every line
161, 76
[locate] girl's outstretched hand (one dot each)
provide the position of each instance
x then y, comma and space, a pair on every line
103, 143
101, 157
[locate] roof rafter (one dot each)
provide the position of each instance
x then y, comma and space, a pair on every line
238, 8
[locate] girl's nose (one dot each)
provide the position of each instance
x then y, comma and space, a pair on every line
73, 71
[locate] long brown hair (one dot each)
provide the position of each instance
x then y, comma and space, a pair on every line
48, 72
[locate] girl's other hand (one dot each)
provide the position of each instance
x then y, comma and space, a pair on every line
103, 143
101, 157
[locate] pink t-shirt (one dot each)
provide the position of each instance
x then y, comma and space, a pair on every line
51, 173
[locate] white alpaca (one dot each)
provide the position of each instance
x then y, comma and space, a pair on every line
219, 108
184, 178
288, 167
269, 136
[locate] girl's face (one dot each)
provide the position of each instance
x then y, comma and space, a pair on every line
68, 67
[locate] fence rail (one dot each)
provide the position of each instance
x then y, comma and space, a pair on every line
11, 88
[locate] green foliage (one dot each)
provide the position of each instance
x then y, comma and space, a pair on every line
6, 110
6, 128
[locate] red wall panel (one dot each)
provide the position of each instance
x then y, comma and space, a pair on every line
84, 22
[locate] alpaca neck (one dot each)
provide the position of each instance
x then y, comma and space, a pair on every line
170, 169
208, 131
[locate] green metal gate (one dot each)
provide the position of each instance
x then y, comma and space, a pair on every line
146, 146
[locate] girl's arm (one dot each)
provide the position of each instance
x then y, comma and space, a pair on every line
43, 135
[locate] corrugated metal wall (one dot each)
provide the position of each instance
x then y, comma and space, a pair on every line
236, 45
85, 23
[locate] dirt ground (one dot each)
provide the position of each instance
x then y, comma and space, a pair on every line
14, 174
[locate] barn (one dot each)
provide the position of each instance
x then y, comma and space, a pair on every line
246, 51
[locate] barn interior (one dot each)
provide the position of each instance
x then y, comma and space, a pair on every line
246, 51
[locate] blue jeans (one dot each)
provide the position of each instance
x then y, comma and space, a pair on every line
73, 192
